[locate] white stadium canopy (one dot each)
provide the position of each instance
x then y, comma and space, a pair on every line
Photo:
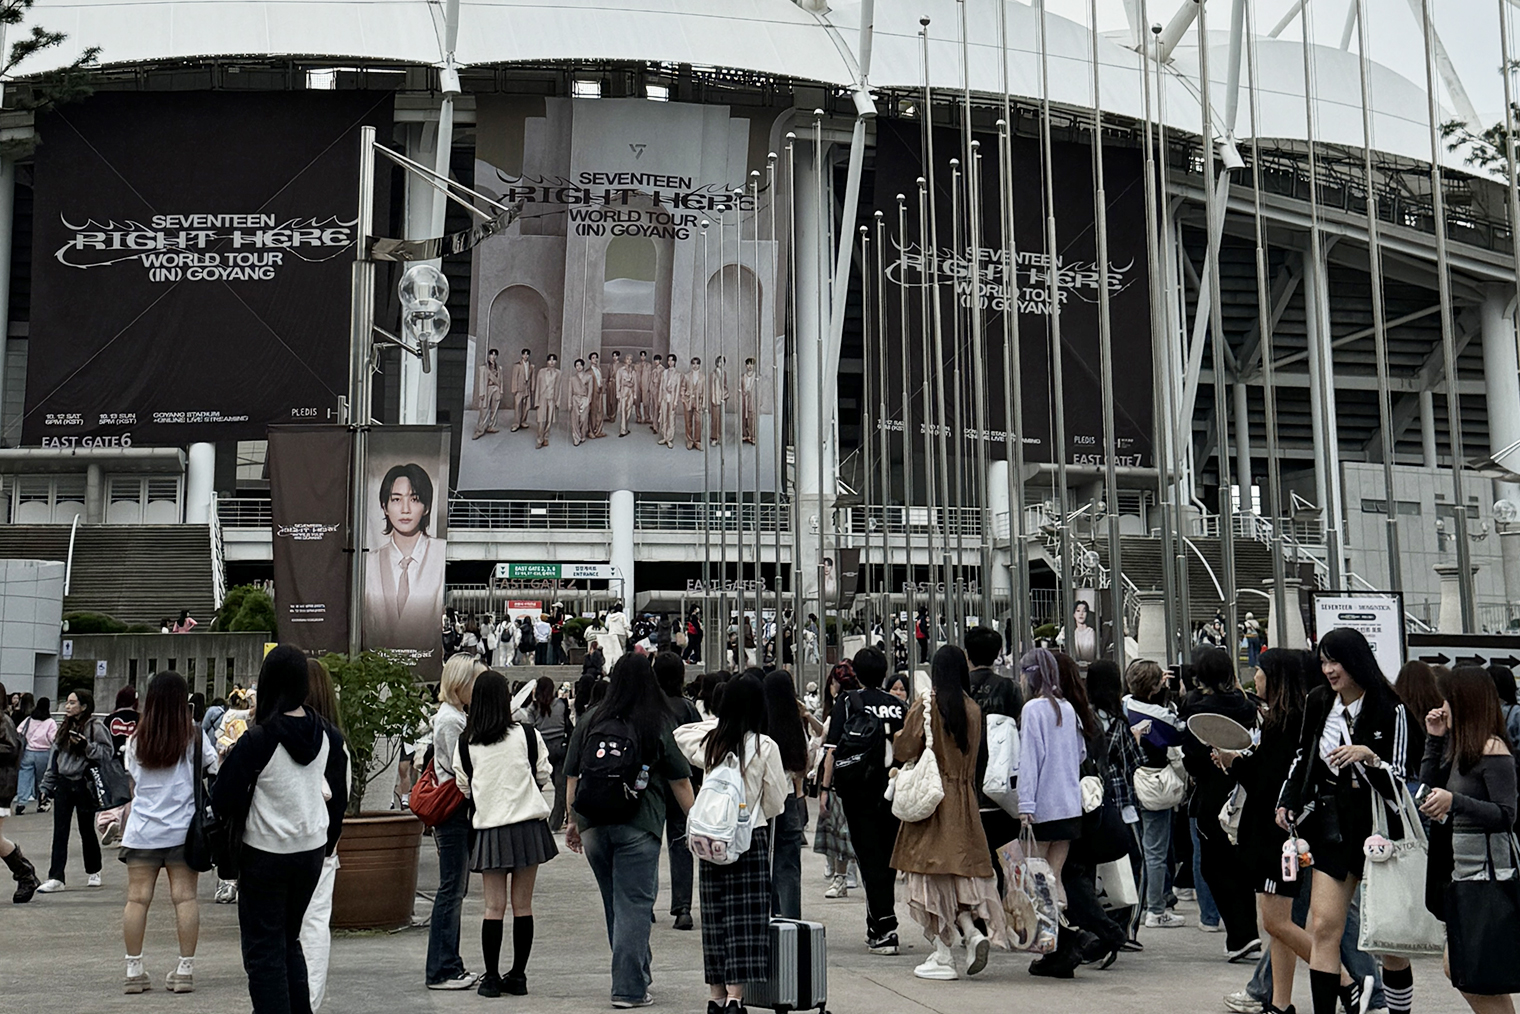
785, 39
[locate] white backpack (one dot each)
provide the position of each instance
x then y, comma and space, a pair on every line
719, 825
1000, 782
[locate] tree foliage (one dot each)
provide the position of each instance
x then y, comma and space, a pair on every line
65, 84
380, 707
247, 607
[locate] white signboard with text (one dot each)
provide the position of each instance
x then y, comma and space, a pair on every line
1378, 615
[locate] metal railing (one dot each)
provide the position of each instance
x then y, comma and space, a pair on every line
245, 512
869, 519
700, 516
218, 556
530, 515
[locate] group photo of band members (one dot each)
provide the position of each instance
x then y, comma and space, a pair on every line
587, 399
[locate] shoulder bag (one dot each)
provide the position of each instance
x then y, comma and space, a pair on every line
1483, 928
1161, 788
432, 801
198, 853
1394, 917
107, 782
917, 787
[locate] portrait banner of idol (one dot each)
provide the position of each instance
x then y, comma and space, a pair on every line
405, 537
623, 331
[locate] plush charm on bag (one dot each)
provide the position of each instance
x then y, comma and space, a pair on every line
1377, 848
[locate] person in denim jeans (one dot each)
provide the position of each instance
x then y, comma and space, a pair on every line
625, 857
38, 731
784, 714
1148, 693
445, 968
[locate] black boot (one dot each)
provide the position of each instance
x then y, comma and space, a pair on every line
25, 875
1062, 962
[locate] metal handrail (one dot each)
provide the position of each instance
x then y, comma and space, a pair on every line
218, 555
471, 514
68, 568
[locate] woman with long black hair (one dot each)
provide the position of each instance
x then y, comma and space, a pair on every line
1353, 746
162, 758
82, 740
502, 767
736, 899
831, 838
624, 848
785, 727
948, 884
1471, 775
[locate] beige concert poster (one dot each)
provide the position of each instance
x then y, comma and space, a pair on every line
615, 343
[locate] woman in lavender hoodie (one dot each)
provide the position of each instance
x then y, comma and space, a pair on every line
1050, 792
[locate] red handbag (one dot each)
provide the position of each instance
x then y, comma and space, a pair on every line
434, 802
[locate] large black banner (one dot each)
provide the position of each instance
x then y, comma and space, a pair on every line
308, 489
191, 264
898, 166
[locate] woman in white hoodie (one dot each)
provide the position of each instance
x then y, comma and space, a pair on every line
736, 898
502, 767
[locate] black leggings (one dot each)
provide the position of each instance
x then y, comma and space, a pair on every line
71, 802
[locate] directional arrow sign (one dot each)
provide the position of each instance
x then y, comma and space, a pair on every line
1466, 649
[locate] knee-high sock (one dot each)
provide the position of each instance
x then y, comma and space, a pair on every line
1398, 987
522, 943
1325, 988
490, 945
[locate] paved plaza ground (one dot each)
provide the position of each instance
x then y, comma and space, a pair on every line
62, 953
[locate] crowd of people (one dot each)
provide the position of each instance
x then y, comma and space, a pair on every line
937, 788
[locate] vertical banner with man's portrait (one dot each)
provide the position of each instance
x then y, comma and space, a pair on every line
623, 331
308, 489
406, 483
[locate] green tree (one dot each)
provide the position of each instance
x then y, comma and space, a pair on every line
247, 607
380, 707
65, 84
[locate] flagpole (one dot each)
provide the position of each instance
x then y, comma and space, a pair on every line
824, 227
776, 389
706, 457
910, 581
795, 386
866, 440
955, 621
1013, 367
936, 323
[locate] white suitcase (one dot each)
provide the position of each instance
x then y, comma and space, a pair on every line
799, 969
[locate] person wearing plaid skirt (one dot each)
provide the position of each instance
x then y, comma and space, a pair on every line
736, 898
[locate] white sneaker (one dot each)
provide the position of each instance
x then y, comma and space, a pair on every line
51, 886
850, 881
939, 965
837, 889
1186, 894
977, 945
94, 880
111, 835
1241, 1002
1204, 927
1166, 920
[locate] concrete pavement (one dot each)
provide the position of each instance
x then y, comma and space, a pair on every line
63, 953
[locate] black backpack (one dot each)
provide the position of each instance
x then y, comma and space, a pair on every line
858, 755
613, 774
528, 641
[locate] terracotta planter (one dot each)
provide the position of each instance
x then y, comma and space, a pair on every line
377, 871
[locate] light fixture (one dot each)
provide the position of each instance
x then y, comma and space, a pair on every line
656, 92
586, 88
322, 79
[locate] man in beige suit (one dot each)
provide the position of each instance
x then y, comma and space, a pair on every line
598, 395
652, 380
640, 379
546, 396
582, 394
488, 391
626, 379
749, 403
610, 402
693, 393
717, 399
670, 400
521, 387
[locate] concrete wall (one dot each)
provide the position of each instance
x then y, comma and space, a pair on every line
210, 662
31, 611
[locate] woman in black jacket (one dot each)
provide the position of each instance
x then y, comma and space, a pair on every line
82, 742
1354, 743
1219, 693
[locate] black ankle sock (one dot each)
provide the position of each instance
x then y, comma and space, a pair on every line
1325, 987
522, 943
1398, 988
490, 945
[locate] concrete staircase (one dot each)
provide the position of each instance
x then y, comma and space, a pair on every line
136, 573
1253, 565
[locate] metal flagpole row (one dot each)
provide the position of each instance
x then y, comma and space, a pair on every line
820, 360
1057, 360
1379, 317
1217, 342
1106, 358
884, 606
1448, 328
1264, 327
910, 581
1013, 367
707, 507
866, 417
794, 387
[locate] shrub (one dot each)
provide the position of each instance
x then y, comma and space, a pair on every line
95, 623
247, 607
377, 700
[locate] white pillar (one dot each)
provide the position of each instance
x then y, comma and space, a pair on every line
1003, 525
1450, 620
621, 511
812, 428
419, 391
1286, 631
94, 496
1322, 399
1428, 429
1242, 448
200, 481
1501, 381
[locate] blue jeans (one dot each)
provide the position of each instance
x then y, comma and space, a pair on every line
1208, 912
1359, 963
786, 862
452, 838
1155, 841
33, 766
626, 862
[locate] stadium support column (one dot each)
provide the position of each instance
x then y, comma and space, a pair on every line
621, 517
1501, 381
200, 480
1327, 481
7, 230
813, 447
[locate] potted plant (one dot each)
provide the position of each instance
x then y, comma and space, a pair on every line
574, 630
381, 706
